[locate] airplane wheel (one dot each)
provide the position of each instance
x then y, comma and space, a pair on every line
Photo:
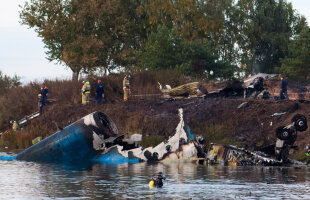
300, 122
283, 134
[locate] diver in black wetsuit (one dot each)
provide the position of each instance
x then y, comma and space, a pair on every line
157, 181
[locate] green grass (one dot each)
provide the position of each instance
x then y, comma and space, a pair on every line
151, 141
215, 133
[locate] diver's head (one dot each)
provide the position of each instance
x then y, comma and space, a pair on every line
157, 180
160, 175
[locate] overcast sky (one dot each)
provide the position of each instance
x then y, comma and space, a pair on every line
22, 52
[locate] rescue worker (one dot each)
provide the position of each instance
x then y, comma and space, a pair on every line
99, 92
157, 181
86, 92
44, 91
41, 103
42, 97
283, 91
15, 125
126, 87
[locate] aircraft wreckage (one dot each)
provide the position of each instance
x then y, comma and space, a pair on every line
94, 138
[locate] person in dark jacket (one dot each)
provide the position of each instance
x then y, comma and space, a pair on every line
42, 97
99, 92
44, 91
283, 91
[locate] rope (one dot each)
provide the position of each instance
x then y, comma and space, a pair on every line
142, 95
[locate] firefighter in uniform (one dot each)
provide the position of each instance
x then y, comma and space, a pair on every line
126, 87
15, 125
86, 92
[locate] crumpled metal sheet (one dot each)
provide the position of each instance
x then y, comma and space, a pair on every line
170, 150
230, 155
248, 81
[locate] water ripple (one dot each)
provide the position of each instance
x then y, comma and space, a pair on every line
27, 180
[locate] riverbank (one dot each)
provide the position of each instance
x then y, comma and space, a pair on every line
217, 119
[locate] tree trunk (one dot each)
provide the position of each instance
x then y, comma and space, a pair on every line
75, 75
253, 70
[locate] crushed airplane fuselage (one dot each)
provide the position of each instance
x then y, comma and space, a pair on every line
182, 146
94, 138
81, 140
272, 155
223, 154
252, 86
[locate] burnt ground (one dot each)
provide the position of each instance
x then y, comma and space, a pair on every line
217, 119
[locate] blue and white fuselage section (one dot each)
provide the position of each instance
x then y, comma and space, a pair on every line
94, 139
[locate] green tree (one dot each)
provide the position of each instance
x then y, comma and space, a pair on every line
105, 34
85, 34
7, 83
221, 28
164, 49
296, 66
59, 25
265, 31
210, 20
167, 49
193, 19
205, 62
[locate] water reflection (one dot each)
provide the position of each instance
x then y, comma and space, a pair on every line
26, 180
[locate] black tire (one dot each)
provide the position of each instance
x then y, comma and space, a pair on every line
168, 148
106, 124
283, 134
279, 132
300, 122
155, 155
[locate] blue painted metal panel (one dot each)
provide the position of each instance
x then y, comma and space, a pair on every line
189, 133
74, 143
113, 157
8, 158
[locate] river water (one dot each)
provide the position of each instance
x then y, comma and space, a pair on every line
28, 180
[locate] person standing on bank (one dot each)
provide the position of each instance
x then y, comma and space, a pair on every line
86, 92
15, 125
283, 91
99, 92
126, 87
42, 97
44, 91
